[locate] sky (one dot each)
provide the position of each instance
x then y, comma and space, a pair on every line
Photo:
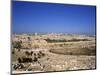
30, 17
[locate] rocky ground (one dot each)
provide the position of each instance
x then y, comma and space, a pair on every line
55, 56
58, 62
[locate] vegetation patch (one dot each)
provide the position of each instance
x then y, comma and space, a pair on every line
75, 51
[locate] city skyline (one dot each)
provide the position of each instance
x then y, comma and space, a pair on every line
30, 17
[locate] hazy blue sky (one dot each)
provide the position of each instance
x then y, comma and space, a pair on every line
46, 17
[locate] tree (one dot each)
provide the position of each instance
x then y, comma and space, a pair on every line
35, 59
29, 39
17, 45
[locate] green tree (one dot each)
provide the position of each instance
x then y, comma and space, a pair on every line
17, 45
